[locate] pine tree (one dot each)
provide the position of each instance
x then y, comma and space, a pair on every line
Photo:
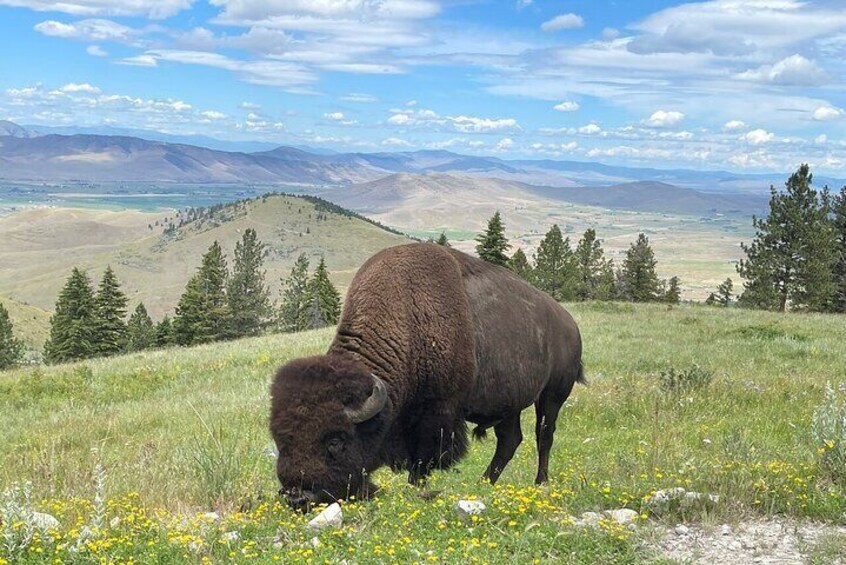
641, 282
11, 348
72, 326
203, 314
249, 299
492, 243
839, 223
555, 266
723, 296
442, 240
165, 336
294, 297
519, 265
595, 273
711, 300
673, 293
323, 301
792, 259
140, 331
110, 307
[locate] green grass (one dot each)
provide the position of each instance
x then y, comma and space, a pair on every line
183, 431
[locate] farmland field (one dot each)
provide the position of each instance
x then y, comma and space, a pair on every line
130, 453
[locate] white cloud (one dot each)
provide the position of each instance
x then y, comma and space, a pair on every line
795, 70
395, 142
828, 113
567, 106
213, 115
399, 120
821, 139
563, 21
73, 87
590, 129
334, 116
359, 97
96, 51
88, 30
664, 118
504, 144
246, 105
464, 124
735, 125
155, 9
140, 61
472, 124
759, 136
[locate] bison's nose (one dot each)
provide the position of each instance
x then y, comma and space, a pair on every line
300, 500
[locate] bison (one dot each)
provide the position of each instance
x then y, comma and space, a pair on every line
430, 338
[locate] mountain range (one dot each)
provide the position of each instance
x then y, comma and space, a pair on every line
28, 154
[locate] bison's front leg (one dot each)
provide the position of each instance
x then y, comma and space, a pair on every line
437, 442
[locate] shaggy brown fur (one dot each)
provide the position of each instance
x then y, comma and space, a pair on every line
455, 339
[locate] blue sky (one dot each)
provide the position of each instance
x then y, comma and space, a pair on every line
746, 85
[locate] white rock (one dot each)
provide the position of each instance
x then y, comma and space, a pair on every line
115, 523
725, 530
331, 517
588, 519
623, 516
735, 546
44, 521
210, 516
467, 508
231, 537
315, 542
698, 498
682, 530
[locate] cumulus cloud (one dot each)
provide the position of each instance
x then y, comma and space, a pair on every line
664, 118
563, 21
213, 115
464, 124
759, 136
79, 87
567, 106
827, 114
590, 129
735, 125
795, 70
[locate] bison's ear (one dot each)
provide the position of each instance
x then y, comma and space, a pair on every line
372, 406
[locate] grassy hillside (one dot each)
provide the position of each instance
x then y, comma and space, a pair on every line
39, 247
183, 431
29, 323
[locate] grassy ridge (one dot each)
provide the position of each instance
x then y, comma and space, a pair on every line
185, 431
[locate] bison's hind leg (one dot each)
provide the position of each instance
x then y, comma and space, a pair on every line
547, 407
508, 437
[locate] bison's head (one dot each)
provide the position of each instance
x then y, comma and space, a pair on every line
328, 418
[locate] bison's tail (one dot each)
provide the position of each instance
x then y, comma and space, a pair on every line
480, 433
581, 376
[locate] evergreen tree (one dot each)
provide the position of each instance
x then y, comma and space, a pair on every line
165, 336
641, 282
323, 301
110, 307
792, 259
595, 273
723, 296
249, 299
73, 325
203, 314
140, 331
442, 240
673, 293
11, 348
555, 266
839, 223
294, 297
492, 243
711, 300
520, 265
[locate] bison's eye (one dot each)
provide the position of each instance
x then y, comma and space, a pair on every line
335, 445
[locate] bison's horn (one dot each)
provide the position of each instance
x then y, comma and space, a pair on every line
372, 406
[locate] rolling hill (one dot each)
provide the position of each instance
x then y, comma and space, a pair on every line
39, 247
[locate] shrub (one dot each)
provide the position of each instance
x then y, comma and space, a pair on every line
829, 434
686, 380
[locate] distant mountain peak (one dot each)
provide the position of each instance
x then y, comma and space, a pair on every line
11, 129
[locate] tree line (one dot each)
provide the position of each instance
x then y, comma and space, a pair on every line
582, 272
216, 305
